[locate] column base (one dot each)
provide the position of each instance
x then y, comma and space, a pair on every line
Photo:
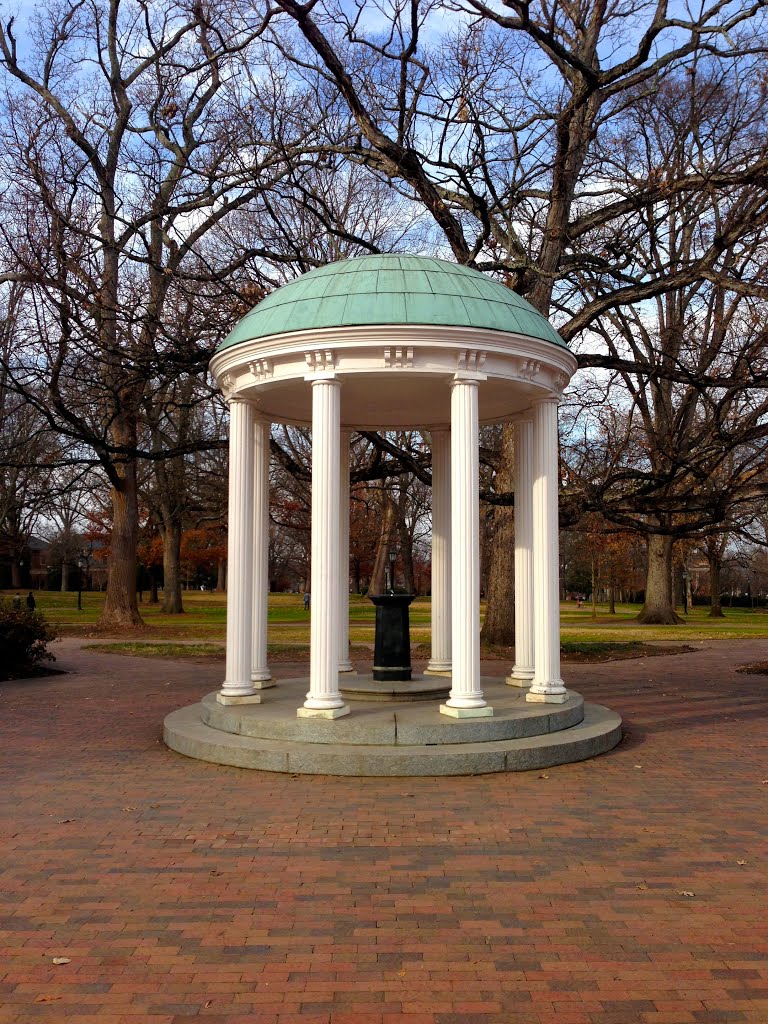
546, 698
486, 712
262, 680
346, 666
439, 668
323, 712
520, 677
234, 698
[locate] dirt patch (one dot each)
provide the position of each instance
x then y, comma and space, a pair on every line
91, 631
205, 653
584, 653
598, 652
757, 668
153, 646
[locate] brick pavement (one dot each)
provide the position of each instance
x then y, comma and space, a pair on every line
185, 891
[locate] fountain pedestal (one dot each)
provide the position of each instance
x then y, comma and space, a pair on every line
392, 648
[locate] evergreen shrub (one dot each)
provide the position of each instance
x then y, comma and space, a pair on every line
24, 639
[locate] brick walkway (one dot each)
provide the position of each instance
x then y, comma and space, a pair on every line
627, 889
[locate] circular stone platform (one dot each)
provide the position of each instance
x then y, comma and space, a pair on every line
355, 686
393, 739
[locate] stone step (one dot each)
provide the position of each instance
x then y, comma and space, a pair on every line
599, 731
391, 724
359, 687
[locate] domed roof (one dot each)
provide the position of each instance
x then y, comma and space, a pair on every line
392, 289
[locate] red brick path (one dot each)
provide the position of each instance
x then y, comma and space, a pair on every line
180, 890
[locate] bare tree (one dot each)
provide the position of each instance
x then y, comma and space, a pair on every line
128, 141
496, 128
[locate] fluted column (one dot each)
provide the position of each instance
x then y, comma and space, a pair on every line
466, 698
261, 677
324, 699
237, 687
440, 662
345, 665
522, 673
547, 686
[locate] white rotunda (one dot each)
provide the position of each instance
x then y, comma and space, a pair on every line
378, 343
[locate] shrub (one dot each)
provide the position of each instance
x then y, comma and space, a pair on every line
24, 636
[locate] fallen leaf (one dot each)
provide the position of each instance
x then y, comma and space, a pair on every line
638, 766
129, 808
543, 776
66, 821
684, 892
742, 862
642, 886
61, 960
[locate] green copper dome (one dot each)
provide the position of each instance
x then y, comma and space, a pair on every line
375, 290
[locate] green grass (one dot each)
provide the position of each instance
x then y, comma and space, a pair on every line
577, 624
205, 620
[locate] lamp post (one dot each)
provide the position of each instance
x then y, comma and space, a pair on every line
80, 567
392, 562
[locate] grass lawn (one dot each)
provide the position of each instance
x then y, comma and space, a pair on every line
205, 620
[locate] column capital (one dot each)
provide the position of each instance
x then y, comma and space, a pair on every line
323, 377
546, 400
238, 399
467, 377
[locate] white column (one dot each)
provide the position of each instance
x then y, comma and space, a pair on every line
522, 673
324, 699
466, 698
547, 686
440, 662
237, 687
261, 677
345, 665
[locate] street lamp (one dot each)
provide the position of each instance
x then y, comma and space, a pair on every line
80, 567
392, 561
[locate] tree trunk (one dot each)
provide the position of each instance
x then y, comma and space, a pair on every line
221, 576
499, 625
406, 559
64, 576
659, 607
15, 574
594, 587
121, 607
378, 576
153, 598
611, 600
715, 608
172, 602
